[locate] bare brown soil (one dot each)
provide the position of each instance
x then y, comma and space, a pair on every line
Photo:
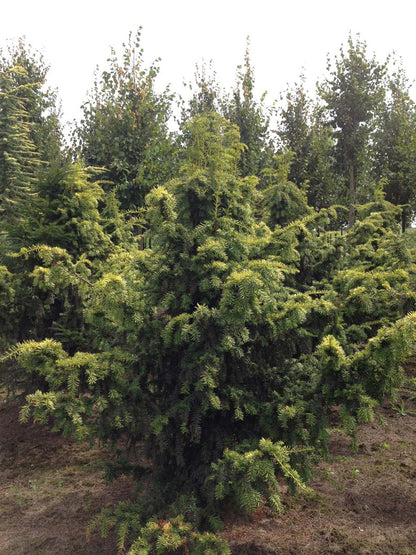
50, 488
362, 503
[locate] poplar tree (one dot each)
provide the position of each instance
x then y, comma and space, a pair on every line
124, 128
353, 94
206, 94
395, 143
304, 131
295, 130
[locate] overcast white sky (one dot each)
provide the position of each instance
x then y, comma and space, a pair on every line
75, 36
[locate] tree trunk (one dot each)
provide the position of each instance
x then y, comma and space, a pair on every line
351, 214
405, 220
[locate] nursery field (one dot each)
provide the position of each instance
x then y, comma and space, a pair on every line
217, 314
362, 503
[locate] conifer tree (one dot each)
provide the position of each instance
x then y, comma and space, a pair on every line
211, 357
39, 100
65, 212
251, 116
283, 200
252, 119
19, 158
29, 131
207, 304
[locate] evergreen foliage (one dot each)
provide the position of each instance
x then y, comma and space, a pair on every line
19, 158
208, 338
27, 71
252, 119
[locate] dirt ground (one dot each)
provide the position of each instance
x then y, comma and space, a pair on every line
50, 488
362, 503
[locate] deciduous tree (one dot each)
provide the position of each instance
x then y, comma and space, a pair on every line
124, 128
395, 147
353, 94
